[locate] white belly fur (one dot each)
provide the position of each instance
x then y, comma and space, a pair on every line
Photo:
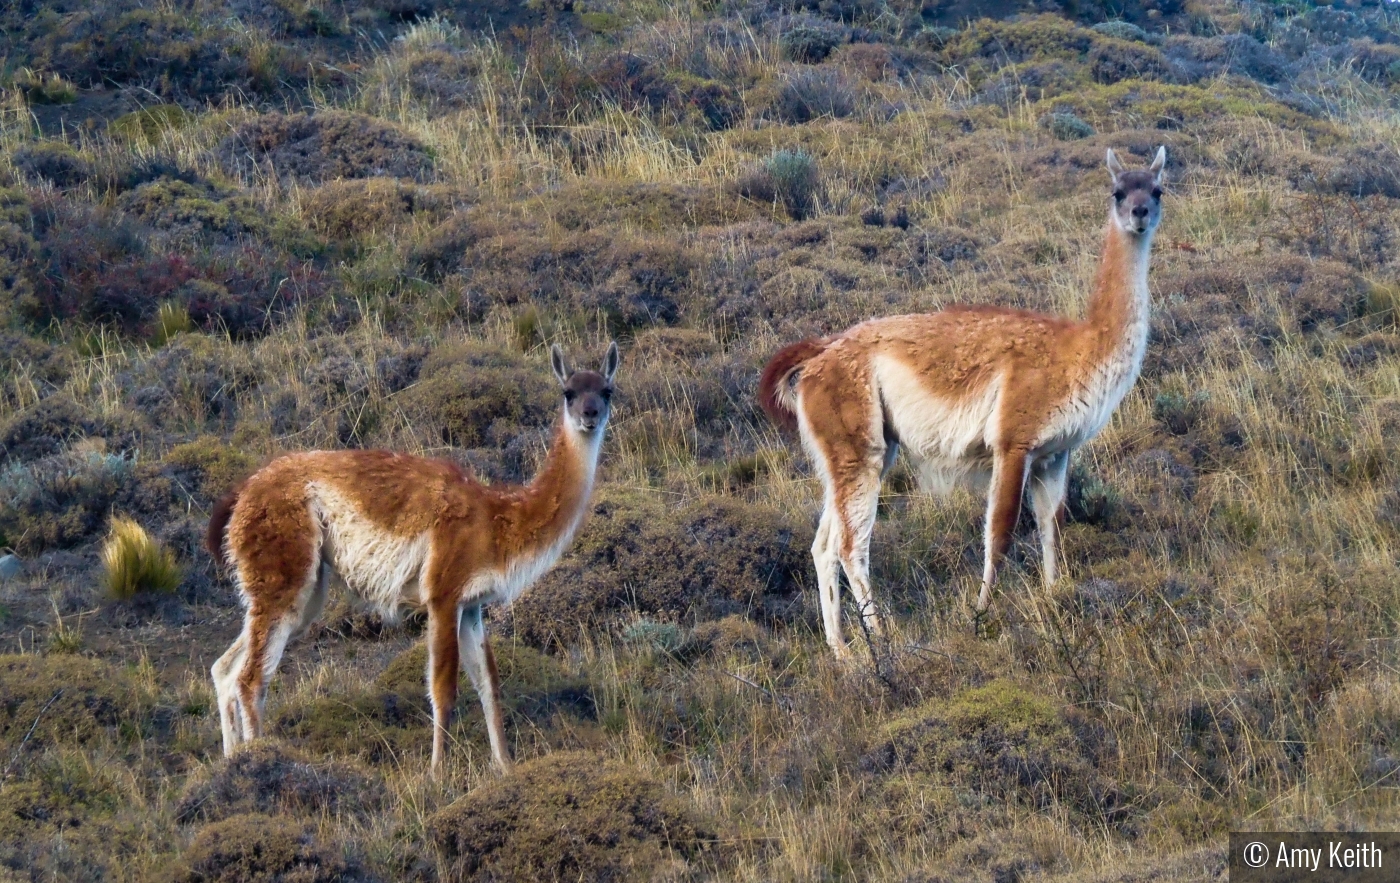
383, 568
949, 441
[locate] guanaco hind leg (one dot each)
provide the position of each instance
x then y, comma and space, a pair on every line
855, 525
289, 582
242, 674
828, 564
851, 454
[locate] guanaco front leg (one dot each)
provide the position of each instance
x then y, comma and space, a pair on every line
443, 663
480, 664
1048, 481
1003, 508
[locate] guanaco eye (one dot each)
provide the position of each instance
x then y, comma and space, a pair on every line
1119, 195
1156, 192
569, 395
606, 394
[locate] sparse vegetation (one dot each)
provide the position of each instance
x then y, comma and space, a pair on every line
227, 232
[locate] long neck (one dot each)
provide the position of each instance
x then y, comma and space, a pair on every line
1119, 306
550, 508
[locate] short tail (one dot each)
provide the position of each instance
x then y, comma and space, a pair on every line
775, 392
218, 523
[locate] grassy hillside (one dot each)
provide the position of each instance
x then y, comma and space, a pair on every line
229, 231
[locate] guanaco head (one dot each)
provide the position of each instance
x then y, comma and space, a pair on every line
1137, 194
587, 394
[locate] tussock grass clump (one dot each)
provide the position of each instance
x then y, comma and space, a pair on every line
570, 816
260, 849
133, 562
269, 778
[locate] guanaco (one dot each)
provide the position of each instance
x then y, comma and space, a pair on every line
986, 397
401, 531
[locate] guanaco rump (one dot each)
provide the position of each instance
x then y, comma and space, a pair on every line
987, 397
401, 531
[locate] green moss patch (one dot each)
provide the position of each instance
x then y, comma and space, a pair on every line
571, 816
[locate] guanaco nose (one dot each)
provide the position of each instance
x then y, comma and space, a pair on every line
590, 412
1139, 211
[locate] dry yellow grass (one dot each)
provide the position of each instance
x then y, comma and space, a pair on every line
133, 561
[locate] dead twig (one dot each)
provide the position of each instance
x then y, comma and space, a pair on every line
29, 735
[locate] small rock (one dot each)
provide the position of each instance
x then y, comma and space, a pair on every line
10, 567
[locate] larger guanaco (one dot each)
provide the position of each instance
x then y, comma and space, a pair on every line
401, 530
983, 396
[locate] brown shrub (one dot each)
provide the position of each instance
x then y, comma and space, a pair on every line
53, 161
641, 555
347, 209
633, 281
265, 777
571, 816
210, 466
193, 210
322, 147
67, 700
261, 849
1113, 60
472, 395
45, 428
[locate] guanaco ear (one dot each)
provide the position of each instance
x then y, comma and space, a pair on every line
610, 361
1159, 162
557, 363
1115, 168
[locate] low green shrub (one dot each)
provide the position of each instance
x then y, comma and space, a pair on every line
572, 816
210, 465
473, 395
265, 777
261, 849
807, 44
59, 501
1000, 741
